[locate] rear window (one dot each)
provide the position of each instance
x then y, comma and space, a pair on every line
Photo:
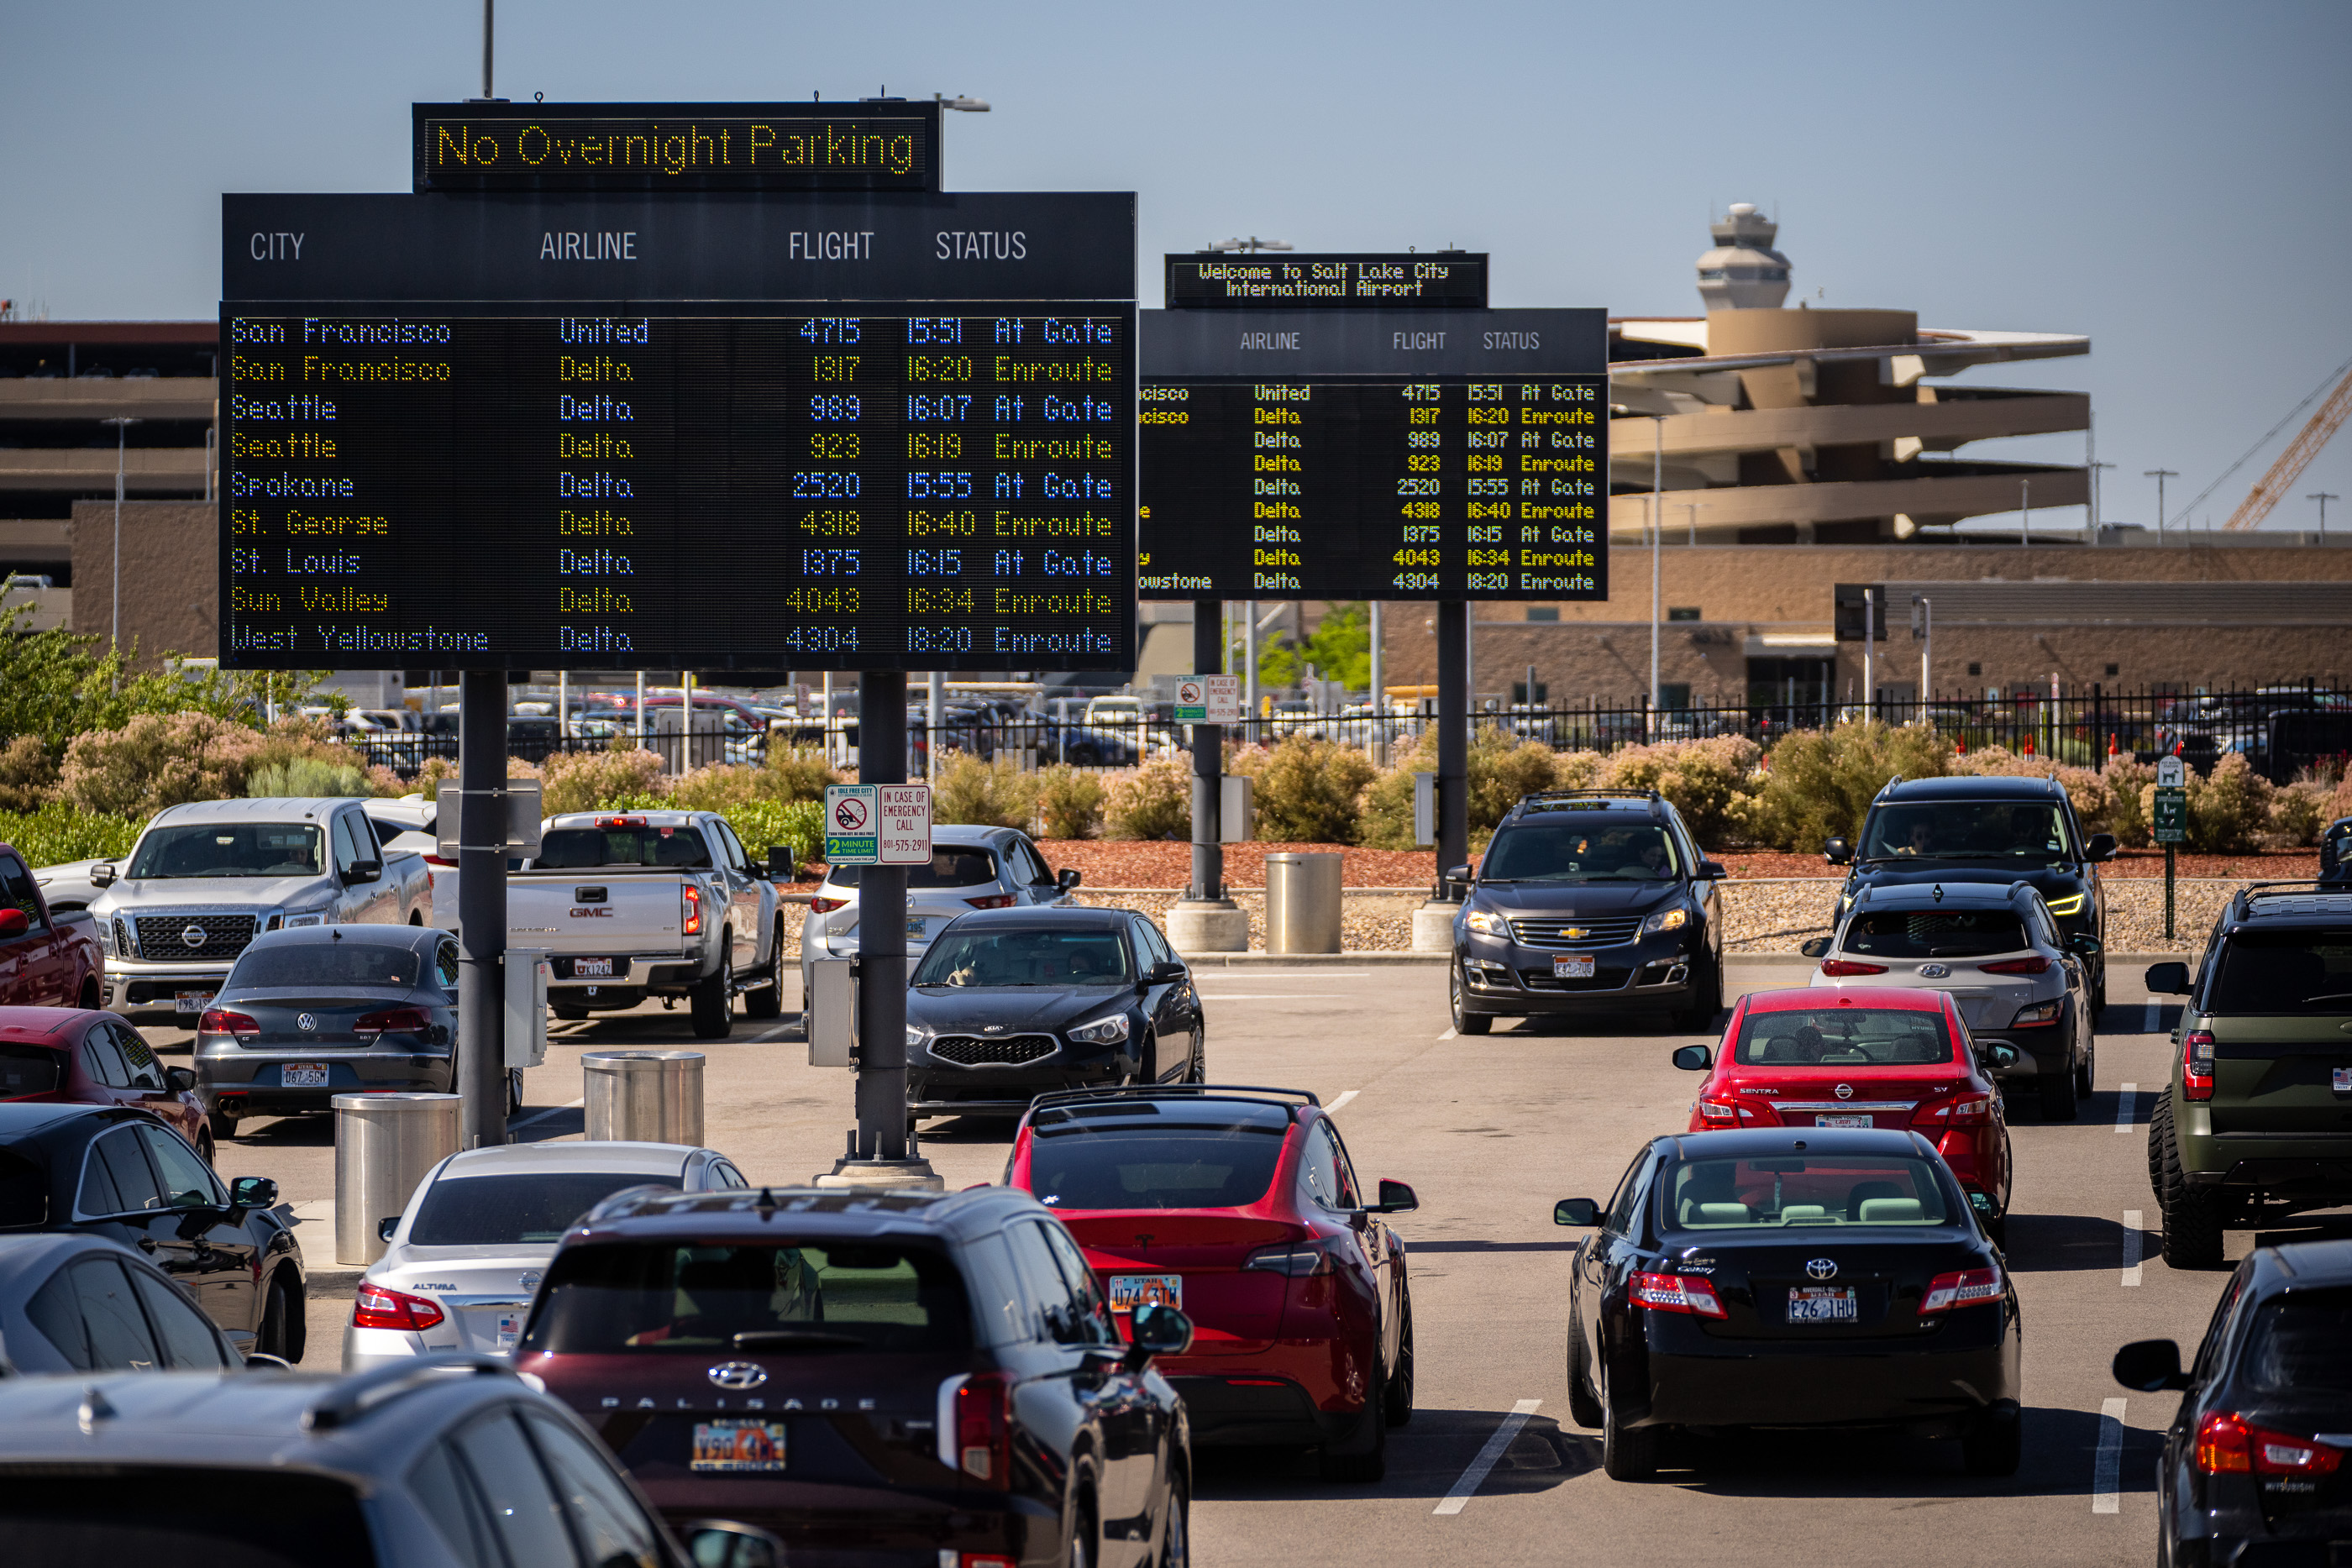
200, 1515
497, 1210
584, 849
1781, 1192
24, 1192
1083, 1164
961, 867
1843, 1037
993, 955
325, 964
774, 1298
2298, 1344
2284, 972
29, 1069
1935, 933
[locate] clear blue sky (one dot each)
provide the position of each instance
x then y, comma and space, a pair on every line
2169, 177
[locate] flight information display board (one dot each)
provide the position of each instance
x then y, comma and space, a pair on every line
1352, 280
696, 481
1374, 455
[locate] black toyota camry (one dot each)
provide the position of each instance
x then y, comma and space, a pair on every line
1795, 1278
1010, 1003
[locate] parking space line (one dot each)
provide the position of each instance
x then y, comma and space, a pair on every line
776, 1033
2155, 1017
543, 1116
1449, 1034
2127, 1101
2106, 1470
1473, 1478
1342, 1100
2132, 1221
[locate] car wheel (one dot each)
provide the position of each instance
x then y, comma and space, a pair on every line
2087, 1074
1995, 1444
1396, 1403
2099, 997
222, 1130
2192, 1217
204, 1146
1176, 1535
1627, 1453
1084, 1547
1582, 1408
713, 1001
275, 1313
1197, 1071
1463, 1022
768, 1001
1372, 1464
514, 1093
1997, 1228
2057, 1091
2160, 1134
1707, 1000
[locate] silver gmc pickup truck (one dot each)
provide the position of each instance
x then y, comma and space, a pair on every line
205, 878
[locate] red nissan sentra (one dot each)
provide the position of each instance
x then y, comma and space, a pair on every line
1239, 1208
1888, 1058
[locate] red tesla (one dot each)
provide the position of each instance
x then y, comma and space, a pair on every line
1863, 1058
1239, 1206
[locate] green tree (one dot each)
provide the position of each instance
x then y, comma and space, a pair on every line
1340, 650
56, 684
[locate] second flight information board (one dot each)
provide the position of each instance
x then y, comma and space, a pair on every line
1374, 455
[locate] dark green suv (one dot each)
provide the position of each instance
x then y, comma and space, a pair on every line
2257, 1122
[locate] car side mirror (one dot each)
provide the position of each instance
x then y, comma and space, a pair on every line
2083, 942
1998, 1056
1815, 948
366, 871
253, 1192
1158, 1329
180, 1080
723, 1544
386, 1226
13, 923
1694, 1057
262, 1361
1837, 851
1713, 871
1396, 1198
1459, 874
1576, 1211
2150, 1366
2102, 847
1068, 878
2167, 979
101, 876
1165, 973
779, 858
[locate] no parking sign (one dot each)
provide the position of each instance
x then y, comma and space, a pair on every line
852, 836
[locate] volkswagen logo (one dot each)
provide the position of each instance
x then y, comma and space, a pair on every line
1934, 971
739, 1374
306, 1022
194, 935
1819, 1269
1845, 1091
529, 1281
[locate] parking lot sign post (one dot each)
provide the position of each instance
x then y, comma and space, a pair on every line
2170, 821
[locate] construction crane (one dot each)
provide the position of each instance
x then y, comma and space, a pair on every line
2273, 485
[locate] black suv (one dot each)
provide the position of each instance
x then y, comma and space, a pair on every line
2254, 1468
1986, 830
1588, 901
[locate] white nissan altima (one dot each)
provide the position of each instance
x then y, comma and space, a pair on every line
467, 1254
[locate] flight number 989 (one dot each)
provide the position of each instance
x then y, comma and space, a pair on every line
833, 405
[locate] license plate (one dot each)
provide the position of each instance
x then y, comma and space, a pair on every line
2344, 1080
191, 1001
914, 926
509, 1331
1821, 1304
1572, 966
303, 1075
737, 1446
1843, 1121
1129, 1292
591, 969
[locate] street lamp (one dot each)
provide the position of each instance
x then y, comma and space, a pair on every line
121, 423
2322, 497
2159, 476
1253, 243
961, 104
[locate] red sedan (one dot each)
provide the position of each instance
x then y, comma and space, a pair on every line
81, 1056
1239, 1208
1861, 1058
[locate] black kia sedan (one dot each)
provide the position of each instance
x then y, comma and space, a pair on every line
2257, 1464
1009, 1004
120, 1173
1822, 1277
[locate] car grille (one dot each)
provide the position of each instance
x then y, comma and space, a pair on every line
1013, 1050
1600, 932
123, 940
1602, 979
162, 938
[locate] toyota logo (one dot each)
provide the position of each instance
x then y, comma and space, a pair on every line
739, 1374
306, 1022
1819, 1268
1934, 971
1845, 1091
194, 935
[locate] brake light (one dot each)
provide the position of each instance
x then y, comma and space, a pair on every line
442, 861
394, 1020
1298, 1260
2227, 1443
1965, 1288
1726, 1113
381, 1307
1848, 966
823, 906
620, 822
2037, 965
689, 910
993, 900
220, 1020
983, 1428
2197, 1064
1684, 1293
1969, 1111
2037, 1015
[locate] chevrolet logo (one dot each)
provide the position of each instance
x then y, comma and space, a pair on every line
1574, 933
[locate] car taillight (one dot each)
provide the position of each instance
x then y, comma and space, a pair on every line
2227, 1443
220, 1020
381, 1307
2037, 965
689, 911
993, 900
2037, 1015
1848, 966
1686, 1293
983, 1428
1720, 1112
1969, 1111
443, 862
394, 1020
620, 822
823, 906
1963, 1288
1298, 1259
2197, 1064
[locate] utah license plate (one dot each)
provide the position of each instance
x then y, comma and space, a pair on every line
1129, 1292
1821, 1304
591, 969
1572, 966
737, 1446
191, 1001
303, 1075
2344, 1080
1843, 1121
914, 926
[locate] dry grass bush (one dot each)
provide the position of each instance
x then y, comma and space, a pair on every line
2125, 776
1309, 792
585, 780
2228, 808
1069, 802
1501, 772
1701, 778
983, 794
439, 770
801, 773
2087, 788
157, 760
1821, 782
28, 775
1155, 801
2298, 813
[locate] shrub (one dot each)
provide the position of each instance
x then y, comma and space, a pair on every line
1070, 803
765, 824
1307, 791
157, 760
984, 794
28, 775
1701, 778
587, 780
1500, 774
307, 776
1821, 782
2124, 777
2227, 807
1155, 801
715, 788
2299, 811
57, 832
798, 773
2094, 803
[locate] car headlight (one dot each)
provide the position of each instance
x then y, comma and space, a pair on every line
2072, 905
295, 917
1487, 923
1666, 920
916, 1035
1101, 1031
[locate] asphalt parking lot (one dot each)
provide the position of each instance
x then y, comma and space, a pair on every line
1489, 1132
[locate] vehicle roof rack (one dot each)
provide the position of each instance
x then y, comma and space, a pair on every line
1063, 1097
2252, 890
1588, 794
370, 1391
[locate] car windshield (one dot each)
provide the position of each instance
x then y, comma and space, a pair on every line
1934, 933
1843, 1037
958, 867
230, 849
325, 964
1579, 851
2296, 1346
2284, 972
506, 1210
584, 849
1031, 957
1778, 1191
780, 1297
1968, 829
1085, 1165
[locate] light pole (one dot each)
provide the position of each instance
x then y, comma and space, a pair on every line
1657, 529
2159, 476
2025, 513
121, 423
1691, 510
2091, 534
2322, 497
1253, 243
961, 104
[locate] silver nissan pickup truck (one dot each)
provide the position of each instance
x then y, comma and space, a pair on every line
206, 878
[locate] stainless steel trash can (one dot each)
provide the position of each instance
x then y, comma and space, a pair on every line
1302, 903
384, 1144
643, 1096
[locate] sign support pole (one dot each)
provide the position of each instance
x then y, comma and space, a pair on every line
2169, 850
482, 906
881, 1143
1453, 737
1208, 761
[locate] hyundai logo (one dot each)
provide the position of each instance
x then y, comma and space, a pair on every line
306, 1022
739, 1374
1845, 1091
1934, 971
194, 935
1819, 1269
